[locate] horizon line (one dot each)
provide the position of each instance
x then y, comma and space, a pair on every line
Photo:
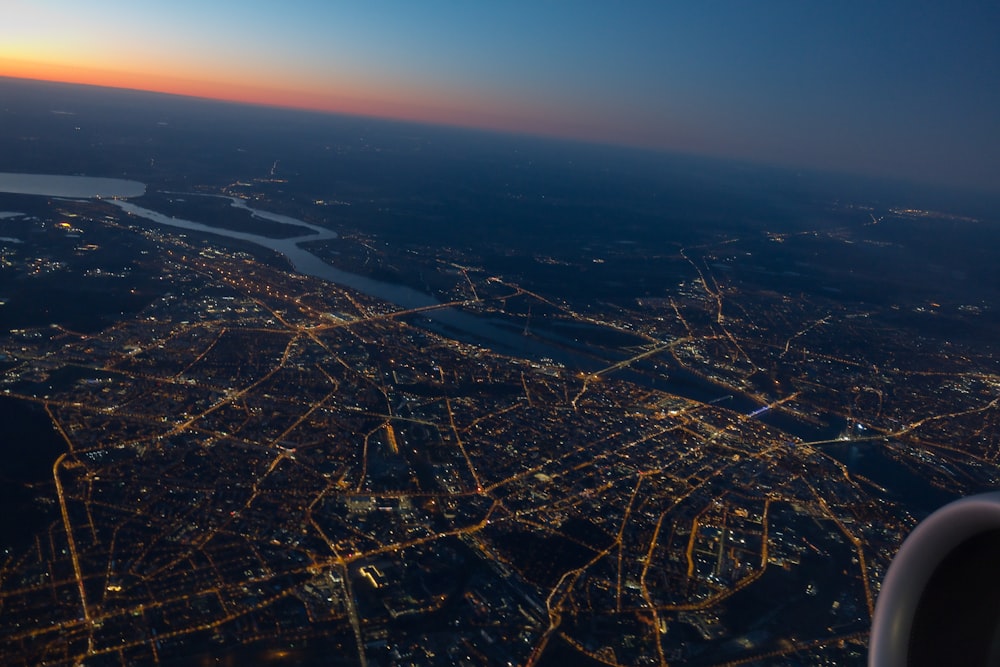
471, 126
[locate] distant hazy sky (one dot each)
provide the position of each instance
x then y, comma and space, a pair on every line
902, 88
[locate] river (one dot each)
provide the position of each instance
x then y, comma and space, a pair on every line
445, 320
492, 333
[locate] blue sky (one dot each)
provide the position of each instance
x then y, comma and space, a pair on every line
902, 89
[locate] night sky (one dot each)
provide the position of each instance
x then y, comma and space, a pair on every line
899, 88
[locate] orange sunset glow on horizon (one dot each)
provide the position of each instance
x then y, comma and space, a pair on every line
408, 105
193, 85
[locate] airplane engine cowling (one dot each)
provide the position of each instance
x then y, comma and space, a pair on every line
940, 601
